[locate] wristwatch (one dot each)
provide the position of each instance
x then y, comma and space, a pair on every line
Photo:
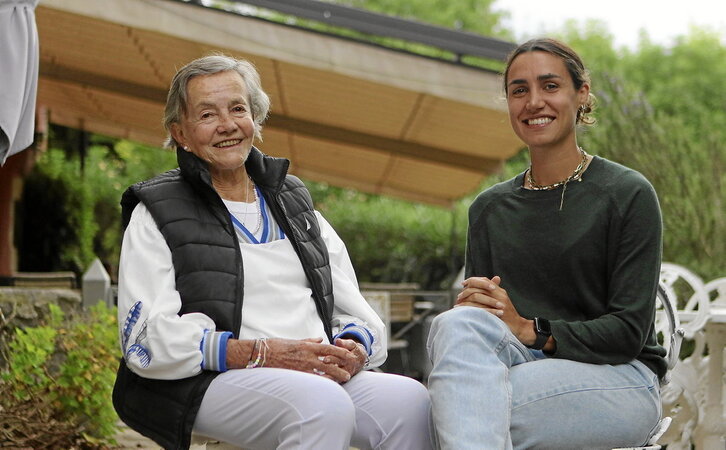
542, 331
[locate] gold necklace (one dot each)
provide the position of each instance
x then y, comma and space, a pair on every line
576, 175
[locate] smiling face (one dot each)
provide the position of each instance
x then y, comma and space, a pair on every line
217, 123
543, 100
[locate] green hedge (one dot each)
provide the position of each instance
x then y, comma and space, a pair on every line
56, 390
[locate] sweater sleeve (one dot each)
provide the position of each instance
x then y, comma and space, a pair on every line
353, 317
634, 257
155, 340
477, 262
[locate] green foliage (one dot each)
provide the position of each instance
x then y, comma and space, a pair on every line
661, 112
63, 373
57, 231
87, 375
392, 240
683, 171
30, 350
70, 210
475, 16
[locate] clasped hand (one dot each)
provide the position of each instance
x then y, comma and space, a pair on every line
486, 293
338, 362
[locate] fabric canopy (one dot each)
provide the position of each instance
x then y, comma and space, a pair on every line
344, 112
18, 75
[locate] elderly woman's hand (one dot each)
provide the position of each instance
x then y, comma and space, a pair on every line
309, 355
355, 359
337, 362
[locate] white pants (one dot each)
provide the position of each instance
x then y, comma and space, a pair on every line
267, 408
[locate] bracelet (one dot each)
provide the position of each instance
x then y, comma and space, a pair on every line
264, 353
261, 354
251, 363
252, 352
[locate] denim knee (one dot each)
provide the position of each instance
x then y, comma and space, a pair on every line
468, 322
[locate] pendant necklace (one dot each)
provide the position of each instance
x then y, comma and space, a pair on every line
575, 176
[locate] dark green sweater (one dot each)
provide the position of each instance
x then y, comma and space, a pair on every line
591, 269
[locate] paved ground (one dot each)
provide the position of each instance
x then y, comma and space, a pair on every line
129, 439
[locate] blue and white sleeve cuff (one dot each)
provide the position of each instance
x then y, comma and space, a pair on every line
214, 350
359, 333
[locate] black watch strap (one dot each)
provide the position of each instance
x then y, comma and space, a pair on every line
542, 333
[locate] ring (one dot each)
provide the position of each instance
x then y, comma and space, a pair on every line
318, 372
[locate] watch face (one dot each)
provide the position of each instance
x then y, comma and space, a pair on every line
542, 326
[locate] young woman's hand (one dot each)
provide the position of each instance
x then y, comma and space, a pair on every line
486, 293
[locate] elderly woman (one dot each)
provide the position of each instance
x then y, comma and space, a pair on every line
240, 317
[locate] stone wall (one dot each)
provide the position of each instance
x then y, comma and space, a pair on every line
27, 307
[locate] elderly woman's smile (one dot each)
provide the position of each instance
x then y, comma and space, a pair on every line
217, 124
228, 143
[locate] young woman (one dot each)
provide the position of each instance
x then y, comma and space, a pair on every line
551, 342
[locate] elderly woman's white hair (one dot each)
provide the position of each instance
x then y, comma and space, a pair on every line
176, 100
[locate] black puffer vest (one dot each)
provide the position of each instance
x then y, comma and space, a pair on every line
209, 276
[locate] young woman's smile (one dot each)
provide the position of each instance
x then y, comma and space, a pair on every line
542, 100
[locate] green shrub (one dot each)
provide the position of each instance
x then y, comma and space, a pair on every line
56, 391
71, 203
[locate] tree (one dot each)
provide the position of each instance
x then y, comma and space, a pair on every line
661, 111
475, 16
70, 210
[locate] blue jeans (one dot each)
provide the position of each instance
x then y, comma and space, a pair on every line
489, 391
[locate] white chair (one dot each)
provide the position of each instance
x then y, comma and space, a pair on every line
683, 397
676, 280
670, 333
380, 301
668, 325
718, 288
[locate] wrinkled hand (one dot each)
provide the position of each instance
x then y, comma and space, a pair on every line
312, 356
486, 293
356, 358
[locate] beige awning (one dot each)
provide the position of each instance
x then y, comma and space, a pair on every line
343, 112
